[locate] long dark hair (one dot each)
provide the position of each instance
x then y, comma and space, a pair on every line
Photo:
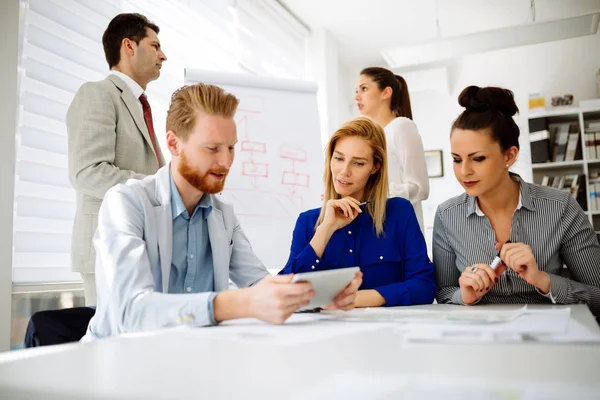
400, 101
489, 108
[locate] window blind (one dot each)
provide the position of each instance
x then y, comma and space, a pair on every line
62, 49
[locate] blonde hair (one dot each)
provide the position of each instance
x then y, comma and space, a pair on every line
188, 100
376, 189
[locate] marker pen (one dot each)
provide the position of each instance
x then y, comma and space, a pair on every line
497, 260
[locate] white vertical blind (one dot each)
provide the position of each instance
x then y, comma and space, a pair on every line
62, 49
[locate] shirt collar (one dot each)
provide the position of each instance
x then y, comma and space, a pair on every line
177, 206
525, 200
131, 84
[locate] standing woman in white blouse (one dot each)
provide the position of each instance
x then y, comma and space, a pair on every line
383, 97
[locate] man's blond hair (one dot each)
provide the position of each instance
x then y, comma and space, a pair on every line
188, 100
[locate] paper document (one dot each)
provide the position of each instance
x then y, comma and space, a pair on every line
299, 328
544, 326
408, 315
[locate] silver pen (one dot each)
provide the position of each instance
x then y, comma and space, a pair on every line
497, 260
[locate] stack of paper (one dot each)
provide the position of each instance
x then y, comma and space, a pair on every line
478, 325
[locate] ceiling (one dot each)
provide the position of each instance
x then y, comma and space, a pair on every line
363, 28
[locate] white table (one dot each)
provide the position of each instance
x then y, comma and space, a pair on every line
170, 364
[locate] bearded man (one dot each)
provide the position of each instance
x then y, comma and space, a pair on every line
167, 246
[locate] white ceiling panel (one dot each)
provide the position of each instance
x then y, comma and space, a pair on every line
364, 28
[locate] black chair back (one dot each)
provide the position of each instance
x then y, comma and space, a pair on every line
58, 326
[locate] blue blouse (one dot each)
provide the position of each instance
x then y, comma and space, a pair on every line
395, 264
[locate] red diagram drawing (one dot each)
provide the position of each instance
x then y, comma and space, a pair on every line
291, 177
252, 168
256, 170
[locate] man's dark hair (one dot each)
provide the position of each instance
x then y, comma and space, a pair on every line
131, 26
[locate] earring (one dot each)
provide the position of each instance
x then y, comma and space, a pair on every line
507, 165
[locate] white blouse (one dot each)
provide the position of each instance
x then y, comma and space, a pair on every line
406, 160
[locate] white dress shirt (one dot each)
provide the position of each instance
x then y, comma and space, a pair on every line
407, 169
132, 85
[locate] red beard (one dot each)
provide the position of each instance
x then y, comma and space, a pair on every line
199, 181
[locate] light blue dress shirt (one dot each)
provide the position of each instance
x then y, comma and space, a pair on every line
192, 264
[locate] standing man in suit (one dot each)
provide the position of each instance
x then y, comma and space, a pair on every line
167, 246
110, 131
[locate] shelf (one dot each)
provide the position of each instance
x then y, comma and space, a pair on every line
595, 161
554, 112
593, 213
553, 165
561, 111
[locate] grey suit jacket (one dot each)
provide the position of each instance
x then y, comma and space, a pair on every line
108, 144
134, 246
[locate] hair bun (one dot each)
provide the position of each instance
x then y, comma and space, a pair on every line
494, 98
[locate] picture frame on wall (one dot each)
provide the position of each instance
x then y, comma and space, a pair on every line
435, 163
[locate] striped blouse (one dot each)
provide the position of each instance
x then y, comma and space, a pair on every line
548, 220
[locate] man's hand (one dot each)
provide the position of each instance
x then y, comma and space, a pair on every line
275, 298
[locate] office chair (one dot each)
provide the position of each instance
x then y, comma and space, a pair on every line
58, 326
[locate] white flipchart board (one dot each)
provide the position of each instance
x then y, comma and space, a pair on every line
278, 168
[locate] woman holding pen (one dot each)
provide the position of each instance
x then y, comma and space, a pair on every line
359, 226
383, 97
533, 229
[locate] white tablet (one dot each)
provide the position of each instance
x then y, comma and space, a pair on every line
326, 284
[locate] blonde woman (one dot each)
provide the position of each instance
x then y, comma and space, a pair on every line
383, 97
381, 236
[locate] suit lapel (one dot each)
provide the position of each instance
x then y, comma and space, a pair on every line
219, 244
132, 105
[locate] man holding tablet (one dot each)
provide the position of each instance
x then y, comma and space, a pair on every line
167, 246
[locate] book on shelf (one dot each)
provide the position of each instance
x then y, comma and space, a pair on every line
590, 145
572, 147
540, 146
561, 136
594, 189
574, 184
593, 125
594, 200
592, 139
537, 124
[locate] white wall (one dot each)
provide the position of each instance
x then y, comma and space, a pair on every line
324, 67
555, 68
9, 31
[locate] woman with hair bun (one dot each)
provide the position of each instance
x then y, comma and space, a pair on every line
383, 97
534, 229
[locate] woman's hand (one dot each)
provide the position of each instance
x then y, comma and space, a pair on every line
477, 280
346, 300
519, 257
339, 213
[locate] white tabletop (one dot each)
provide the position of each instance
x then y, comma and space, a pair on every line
177, 364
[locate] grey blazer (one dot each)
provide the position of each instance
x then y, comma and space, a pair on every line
108, 144
134, 244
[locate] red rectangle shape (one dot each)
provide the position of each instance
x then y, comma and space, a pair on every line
255, 169
294, 179
293, 153
257, 147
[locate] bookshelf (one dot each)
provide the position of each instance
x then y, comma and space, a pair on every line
560, 141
